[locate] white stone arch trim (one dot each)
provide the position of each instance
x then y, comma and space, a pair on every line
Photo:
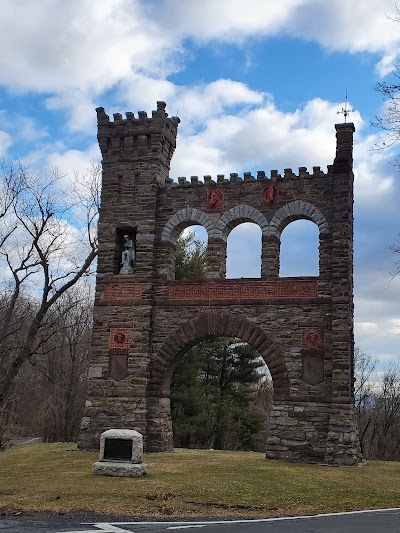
241, 213
295, 211
191, 215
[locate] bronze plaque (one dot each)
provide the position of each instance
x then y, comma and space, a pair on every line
118, 366
119, 340
118, 450
313, 370
312, 341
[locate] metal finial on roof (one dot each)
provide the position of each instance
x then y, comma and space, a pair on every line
345, 111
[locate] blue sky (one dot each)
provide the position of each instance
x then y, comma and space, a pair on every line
257, 85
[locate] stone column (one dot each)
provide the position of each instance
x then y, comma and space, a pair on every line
295, 431
342, 443
270, 257
159, 425
216, 258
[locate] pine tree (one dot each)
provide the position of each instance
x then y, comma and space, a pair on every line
190, 259
211, 396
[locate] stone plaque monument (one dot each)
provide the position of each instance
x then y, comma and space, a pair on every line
121, 452
145, 320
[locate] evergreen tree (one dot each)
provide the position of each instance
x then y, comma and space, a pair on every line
211, 396
190, 261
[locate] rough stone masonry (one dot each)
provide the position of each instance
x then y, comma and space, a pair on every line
145, 321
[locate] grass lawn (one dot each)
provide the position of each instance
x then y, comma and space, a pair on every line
56, 477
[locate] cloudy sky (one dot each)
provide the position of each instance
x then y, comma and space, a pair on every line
257, 85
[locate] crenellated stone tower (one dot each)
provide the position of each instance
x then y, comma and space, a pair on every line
145, 320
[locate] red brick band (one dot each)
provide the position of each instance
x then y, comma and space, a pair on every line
258, 290
114, 292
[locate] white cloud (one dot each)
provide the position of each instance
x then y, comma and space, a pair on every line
345, 25
348, 24
374, 176
23, 128
79, 108
260, 135
78, 44
5, 142
366, 327
73, 161
195, 104
78, 50
67, 162
227, 20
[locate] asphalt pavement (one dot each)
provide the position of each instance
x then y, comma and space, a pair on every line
376, 521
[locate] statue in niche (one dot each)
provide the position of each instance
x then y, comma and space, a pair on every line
127, 256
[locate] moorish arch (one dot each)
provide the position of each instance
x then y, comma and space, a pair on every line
145, 320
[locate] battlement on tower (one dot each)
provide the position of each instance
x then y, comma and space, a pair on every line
261, 175
130, 133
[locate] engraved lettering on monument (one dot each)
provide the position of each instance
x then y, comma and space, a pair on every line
122, 291
225, 290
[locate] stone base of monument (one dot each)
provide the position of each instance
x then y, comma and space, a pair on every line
118, 469
121, 452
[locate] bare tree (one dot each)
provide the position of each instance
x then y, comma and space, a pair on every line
364, 369
385, 434
62, 363
48, 243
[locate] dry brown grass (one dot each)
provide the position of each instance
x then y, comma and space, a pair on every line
55, 477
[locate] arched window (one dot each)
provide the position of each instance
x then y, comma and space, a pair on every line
190, 253
244, 251
299, 253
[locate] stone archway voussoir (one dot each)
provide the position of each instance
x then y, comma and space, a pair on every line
256, 334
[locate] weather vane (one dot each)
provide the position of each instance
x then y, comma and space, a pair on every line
345, 112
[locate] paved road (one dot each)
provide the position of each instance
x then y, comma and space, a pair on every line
382, 521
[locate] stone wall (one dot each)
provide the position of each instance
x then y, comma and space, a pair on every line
144, 322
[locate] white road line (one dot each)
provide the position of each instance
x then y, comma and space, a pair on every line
109, 528
113, 527
191, 526
105, 528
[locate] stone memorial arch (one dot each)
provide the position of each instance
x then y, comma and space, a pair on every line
145, 320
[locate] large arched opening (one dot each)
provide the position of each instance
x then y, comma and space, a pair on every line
190, 253
221, 397
200, 328
243, 252
299, 249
